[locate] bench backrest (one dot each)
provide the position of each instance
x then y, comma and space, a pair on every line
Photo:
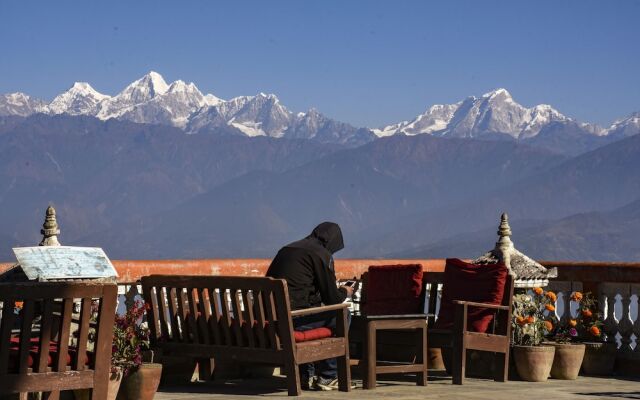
251, 312
41, 334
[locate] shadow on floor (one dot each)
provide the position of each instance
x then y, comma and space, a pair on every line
618, 395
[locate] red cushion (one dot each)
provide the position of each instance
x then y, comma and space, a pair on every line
34, 353
471, 282
394, 289
312, 334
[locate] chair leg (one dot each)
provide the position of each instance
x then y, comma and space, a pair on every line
344, 373
459, 357
501, 366
369, 378
293, 378
421, 377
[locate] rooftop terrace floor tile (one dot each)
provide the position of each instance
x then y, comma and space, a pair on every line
438, 388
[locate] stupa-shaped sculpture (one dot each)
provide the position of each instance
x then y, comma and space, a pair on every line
527, 272
50, 230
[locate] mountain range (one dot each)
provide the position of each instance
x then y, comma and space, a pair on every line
163, 171
151, 100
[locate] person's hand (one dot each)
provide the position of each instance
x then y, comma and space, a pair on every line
349, 290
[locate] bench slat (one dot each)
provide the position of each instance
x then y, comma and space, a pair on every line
193, 314
225, 321
249, 321
83, 335
45, 335
258, 305
214, 318
237, 316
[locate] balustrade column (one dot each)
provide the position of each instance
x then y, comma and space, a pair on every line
608, 297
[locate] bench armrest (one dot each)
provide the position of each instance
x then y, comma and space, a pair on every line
317, 310
484, 305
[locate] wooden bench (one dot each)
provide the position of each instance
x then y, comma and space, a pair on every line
41, 350
246, 319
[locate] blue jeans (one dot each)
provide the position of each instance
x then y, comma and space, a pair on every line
327, 369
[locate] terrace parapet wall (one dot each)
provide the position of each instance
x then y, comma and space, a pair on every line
616, 285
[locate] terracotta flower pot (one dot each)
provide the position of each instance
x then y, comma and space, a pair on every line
533, 362
141, 384
599, 358
567, 360
115, 378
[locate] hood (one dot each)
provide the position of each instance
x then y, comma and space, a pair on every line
329, 235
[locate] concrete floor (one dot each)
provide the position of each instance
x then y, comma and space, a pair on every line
438, 388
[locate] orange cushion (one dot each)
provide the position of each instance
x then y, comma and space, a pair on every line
312, 334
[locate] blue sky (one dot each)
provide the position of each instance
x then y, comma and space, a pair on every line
367, 63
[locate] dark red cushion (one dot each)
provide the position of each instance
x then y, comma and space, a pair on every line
34, 354
394, 289
471, 282
312, 334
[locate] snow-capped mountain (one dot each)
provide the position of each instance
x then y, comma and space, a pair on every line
151, 100
494, 113
435, 119
264, 115
80, 99
20, 104
626, 127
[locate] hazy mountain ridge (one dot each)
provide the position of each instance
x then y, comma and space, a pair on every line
598, 181
144, 191
98, 173
595, 236
377, 185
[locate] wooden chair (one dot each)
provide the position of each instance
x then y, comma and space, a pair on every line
40, 348
392, 300
246, 319
474, 314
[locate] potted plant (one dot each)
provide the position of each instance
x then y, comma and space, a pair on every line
130, 339
600, 356
569, 351
532, 359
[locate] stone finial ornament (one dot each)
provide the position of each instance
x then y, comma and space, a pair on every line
50, 230
528, 272
504, 245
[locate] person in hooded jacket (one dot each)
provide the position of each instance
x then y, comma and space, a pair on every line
307, 266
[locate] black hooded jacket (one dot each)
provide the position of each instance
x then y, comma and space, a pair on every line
307, 266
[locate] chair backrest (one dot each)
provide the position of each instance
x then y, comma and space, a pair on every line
251, 312
393, 290
472, 282
41, 333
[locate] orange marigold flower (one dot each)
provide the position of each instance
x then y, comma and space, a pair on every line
520, 320
550, 307
587, 313
576, 296
594, 330
530, 319
18, 304
548, 325
551, 296
538, 291
573, 323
